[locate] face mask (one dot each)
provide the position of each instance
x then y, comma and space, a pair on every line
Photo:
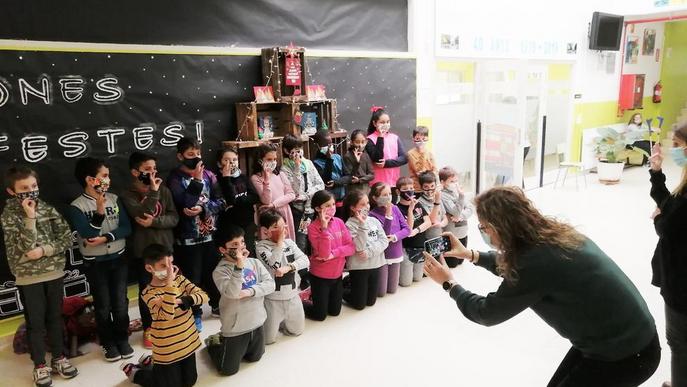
191, 163
487, 239
407, 195
329, 212
231, 253
420, 144
429, 194
383, 201
269, 165
160, 274
678, 156
364, 212
103, 185
33, 195
144, 177
383, 128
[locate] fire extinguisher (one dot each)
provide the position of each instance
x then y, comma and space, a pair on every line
657, 92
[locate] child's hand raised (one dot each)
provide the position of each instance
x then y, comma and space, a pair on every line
198, 171
155, 181
100, 203
171, 271
29, 206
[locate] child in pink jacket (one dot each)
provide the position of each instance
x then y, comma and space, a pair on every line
331, 243
273, 187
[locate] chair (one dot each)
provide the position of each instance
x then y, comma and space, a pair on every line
564, 164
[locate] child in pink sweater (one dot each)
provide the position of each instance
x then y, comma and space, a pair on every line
273, 188
331, 243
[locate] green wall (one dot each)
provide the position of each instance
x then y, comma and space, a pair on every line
674, 72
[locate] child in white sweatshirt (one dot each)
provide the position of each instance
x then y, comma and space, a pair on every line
283, 259
370, 242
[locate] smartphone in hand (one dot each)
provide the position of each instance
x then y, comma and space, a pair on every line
438, 245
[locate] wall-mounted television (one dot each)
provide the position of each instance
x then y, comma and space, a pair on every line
605, 32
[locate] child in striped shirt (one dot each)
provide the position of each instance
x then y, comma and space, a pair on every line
169, 297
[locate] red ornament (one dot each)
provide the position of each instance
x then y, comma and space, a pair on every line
292, 68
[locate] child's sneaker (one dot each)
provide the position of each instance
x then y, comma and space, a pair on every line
145, 361
130, 370
62, 366
111, 353
199, 323
41, 376
215, 312
147, 343
215, 339
125, 350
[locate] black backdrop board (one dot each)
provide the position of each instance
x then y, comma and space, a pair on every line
380, 25
148, 101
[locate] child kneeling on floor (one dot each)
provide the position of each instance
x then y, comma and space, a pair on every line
169, 296
283, 260
370, 243
243, 283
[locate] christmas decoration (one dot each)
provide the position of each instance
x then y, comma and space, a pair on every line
292, 69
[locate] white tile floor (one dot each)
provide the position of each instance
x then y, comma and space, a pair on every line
417, 336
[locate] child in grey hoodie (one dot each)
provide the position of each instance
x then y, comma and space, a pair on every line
458, 210
283, 260
243, 284
370, 242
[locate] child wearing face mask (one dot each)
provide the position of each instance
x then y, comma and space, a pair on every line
283, 259
418, 221
330, 166
239, 195
305, 181
357, 163
273, 187
151, 206
102, 225
198, 201
243, 282
370, 242
384, 148
169, 297
420, 159
36, 237
331, 243
430, 200
396, 229
458, 209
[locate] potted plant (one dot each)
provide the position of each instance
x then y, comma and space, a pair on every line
612, 150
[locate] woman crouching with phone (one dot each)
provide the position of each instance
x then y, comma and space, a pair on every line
564, 278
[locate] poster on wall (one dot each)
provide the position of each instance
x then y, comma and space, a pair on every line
632, 49
649, 42
56, 107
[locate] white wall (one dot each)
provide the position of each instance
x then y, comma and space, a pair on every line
531, 29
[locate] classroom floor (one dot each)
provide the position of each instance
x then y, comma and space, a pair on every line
417, 336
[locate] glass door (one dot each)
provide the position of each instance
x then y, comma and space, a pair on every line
502, 113
535, 111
